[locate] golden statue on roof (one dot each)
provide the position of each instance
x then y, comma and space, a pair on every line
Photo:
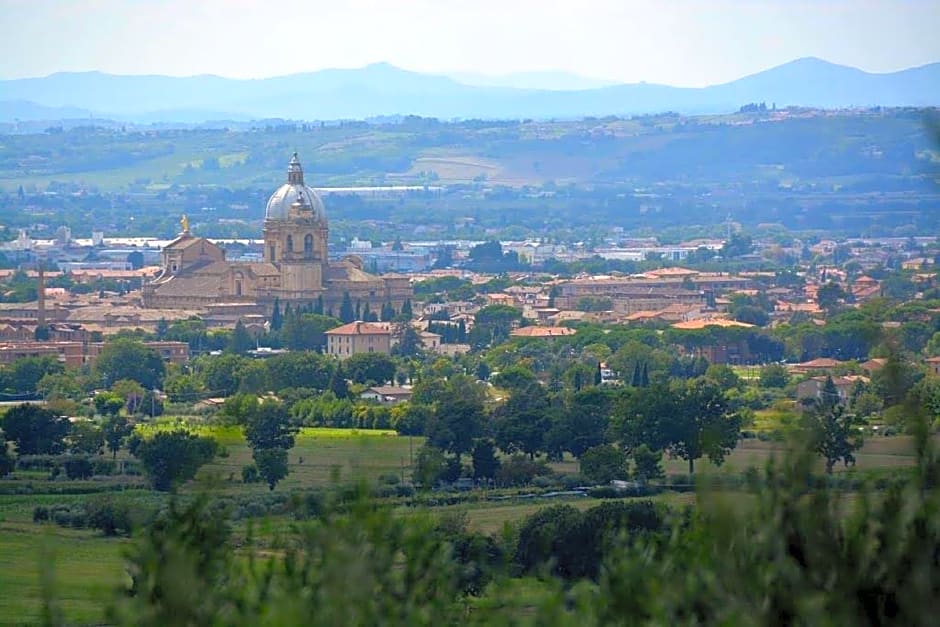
184, 222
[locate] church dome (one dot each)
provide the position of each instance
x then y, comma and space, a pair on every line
294, 199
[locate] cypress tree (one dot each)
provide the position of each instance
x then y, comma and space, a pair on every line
338, 384
388, 312
346, 311
636, 381
645, 379
276, 319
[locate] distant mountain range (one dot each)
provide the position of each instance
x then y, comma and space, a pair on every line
382, 89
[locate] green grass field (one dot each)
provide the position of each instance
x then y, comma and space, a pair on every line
87, 568
84, 571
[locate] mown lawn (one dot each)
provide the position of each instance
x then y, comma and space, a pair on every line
320, 457
83, 571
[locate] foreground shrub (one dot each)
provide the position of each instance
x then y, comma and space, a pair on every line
173, 457
365, 567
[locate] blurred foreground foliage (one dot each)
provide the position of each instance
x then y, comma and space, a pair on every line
789, 551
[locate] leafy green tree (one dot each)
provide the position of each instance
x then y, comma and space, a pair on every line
301, 369
545, 537
835, 434
271, 464
269, 426
430, 466
130, 359
411, 418
829, 296
485, 461
306, 331
270, 434
603, 463
750, 314
86, 438
24, 375
647, 463
514, 378
253, 376
724, 377
60, 385
458, 416
522, 422
116, 429
182, 388
374, 368
7, 461
131, 392
774, 376
497, 321
171, 458
409, 342
582, 423
241, 341
338, 385
704, 424
737, 246
35, 430
219, 373
689, 419
78, 468
151, 405
108, 403
240, 407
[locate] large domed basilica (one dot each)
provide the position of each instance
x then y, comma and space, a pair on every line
296, 268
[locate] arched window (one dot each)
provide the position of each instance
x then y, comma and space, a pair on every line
290, 244
271, 251
308, 246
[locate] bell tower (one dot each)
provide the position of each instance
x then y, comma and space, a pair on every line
295, 236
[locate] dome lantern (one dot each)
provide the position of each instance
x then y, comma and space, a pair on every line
295, 198
295, 173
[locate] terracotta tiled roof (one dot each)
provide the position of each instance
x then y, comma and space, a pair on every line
543, 332
710, 322
821, 362
361, 328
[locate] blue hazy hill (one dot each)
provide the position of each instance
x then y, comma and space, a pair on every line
383, 89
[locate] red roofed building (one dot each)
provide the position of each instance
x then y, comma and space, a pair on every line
821, 364
934, 364
359, 337
543, 332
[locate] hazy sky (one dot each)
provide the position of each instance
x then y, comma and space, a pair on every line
678, 42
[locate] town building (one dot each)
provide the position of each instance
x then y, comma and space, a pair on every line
814, 388
386, 394
295, 267
359, 337
77, 354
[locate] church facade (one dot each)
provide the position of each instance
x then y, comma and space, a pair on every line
295, 269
